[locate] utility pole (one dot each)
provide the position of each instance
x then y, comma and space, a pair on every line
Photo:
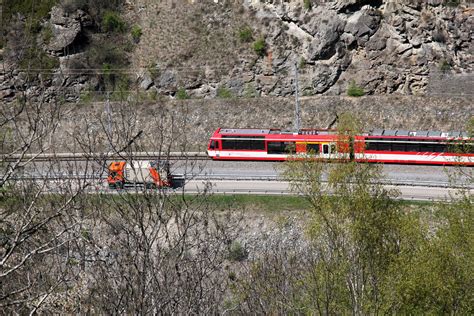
297, 106
109, 121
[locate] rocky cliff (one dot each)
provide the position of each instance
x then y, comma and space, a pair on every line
252, 48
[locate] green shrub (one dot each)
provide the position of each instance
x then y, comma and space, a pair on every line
35, 58
112, 22
250, 91
259, 47
452, 3
354, 90
47, 33
224, 93
70, 6
302, 62
181, 94
136, 33
444, 66
245, 34
237, 252
308, 5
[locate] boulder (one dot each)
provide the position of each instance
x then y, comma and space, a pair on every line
363, 24
325, 27
64, 28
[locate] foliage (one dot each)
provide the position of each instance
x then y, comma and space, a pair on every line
452, 3
250, 91
112, 22
439, 36
34, 10
136, 33
237, 252
354, 90
259, 47
307, 4
110, 59
34, 59
224, 93
47, 33
181, 94
444, 66
245, 34
302, 63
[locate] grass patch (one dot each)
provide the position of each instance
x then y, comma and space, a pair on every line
181, 94
265, 203
112, 22
245, 34
259, 47
354, 90
136, 33
224, 93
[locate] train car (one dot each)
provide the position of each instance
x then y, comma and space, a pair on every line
384, 146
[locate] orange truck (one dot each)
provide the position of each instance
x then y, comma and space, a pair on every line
139, 173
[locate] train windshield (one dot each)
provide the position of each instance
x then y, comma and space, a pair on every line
213, 144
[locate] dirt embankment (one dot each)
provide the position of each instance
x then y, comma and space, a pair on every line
195, 120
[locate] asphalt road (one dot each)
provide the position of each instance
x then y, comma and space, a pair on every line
400, 174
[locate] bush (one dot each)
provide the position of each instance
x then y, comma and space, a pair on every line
136, 33
70, 6
259, 47
47, 33
354, 90
224, 93
112, 22
444, 66
237, 252
35, 59
452, 3
439, 36
308, 5
302, 63
245, 34
181, 94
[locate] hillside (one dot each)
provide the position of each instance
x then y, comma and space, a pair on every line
207, 49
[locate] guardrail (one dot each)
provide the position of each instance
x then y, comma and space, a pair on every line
230, 177
105, 156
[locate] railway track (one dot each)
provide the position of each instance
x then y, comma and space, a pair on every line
42, 157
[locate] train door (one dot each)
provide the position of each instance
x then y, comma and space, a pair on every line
329, 150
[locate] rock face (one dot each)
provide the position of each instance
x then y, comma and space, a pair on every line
389, 46
384, 46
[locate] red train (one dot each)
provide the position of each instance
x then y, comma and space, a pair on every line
384, 146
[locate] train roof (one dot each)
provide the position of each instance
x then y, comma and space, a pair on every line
273, 131
245, 131
423, 133
373, 133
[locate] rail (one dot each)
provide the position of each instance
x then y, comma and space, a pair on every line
104, 156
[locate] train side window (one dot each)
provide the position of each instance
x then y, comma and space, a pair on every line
426, 147
440, 148
385, 146
413, 147
325, 149
398, 147
280, 147
372, 146
312, 148
333, 149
